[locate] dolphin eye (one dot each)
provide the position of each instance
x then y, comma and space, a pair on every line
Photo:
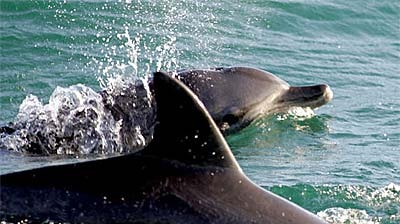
230, 119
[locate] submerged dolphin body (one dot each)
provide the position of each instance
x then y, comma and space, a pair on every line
236, 96
186, 175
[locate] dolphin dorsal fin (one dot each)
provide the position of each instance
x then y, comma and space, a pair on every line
185, 131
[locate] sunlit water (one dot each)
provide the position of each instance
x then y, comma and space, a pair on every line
341, 161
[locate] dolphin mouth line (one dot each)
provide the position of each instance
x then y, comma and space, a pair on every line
307, 96
313, 101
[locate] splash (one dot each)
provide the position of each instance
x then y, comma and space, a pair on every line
297, 113
150, 38
77, 120
146, 43
121, 50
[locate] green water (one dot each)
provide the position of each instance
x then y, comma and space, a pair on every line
343, 163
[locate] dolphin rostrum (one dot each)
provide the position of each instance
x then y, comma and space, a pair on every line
235, 96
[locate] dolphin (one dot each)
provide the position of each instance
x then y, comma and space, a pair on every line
235, 96
187, 174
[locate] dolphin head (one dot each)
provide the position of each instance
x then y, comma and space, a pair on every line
238, 95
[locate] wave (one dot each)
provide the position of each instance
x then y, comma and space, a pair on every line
343, 204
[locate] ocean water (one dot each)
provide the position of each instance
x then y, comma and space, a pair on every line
341, 162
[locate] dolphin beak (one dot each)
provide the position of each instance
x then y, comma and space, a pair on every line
308, 96
328, 94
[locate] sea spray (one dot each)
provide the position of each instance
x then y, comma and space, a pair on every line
77, 120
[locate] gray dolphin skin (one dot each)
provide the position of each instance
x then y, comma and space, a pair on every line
187, 174
235, 96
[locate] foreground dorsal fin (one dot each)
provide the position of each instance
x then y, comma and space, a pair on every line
185, 131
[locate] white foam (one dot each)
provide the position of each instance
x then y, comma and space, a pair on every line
301, 113
380, 199
77, 121
347, 216
390, 192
